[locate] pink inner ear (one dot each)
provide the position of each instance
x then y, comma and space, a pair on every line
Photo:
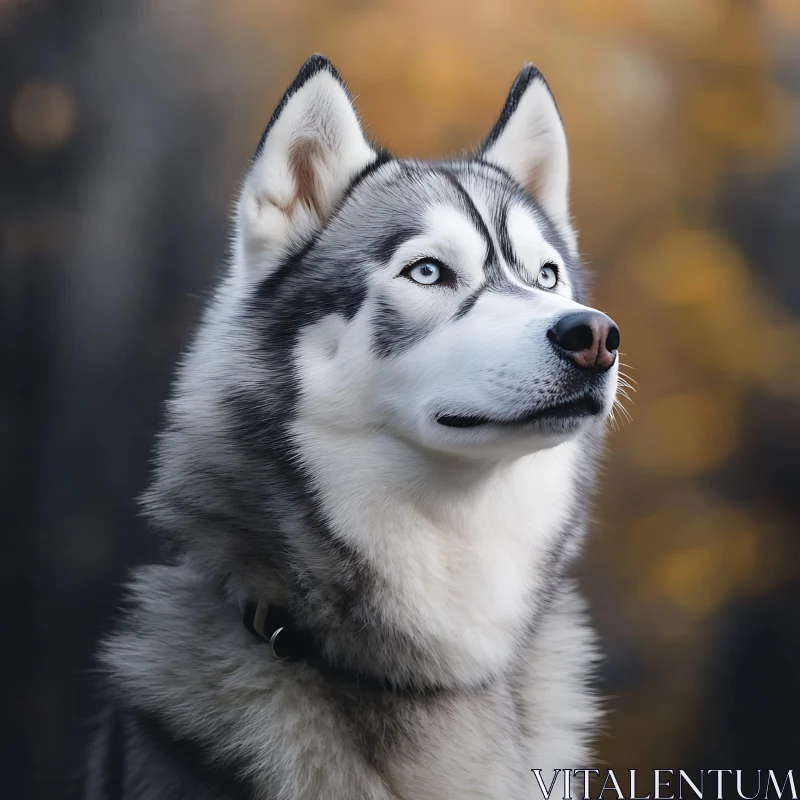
302, 156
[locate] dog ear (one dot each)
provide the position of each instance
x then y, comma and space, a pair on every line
529, 142
309, 152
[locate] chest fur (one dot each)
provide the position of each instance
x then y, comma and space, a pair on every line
466, 748
465, 573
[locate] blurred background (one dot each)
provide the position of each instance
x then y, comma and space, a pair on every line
124, 131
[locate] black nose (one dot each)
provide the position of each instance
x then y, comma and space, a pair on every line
587, 338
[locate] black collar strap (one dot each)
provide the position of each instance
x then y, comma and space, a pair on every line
277, 628
287, 642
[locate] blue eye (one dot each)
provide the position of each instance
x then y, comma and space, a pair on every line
426, 273
430, 272
548, 276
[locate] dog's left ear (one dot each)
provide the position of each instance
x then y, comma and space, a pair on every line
309, 152
529, 142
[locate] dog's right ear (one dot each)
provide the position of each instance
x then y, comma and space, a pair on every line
307, 156
529, 142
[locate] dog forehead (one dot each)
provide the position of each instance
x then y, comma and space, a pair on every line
397, 195
401, 200
526, 232
465, 210
453, 227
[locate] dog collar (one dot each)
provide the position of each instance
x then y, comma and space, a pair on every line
276, 627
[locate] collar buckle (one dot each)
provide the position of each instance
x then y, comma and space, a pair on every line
272, 625
272, 640
258, 621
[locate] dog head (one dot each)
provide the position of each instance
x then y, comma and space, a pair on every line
437, 301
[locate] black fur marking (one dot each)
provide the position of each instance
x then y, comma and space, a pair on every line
472, 211
285, 269
392, 334
262, 433
299, 292
467, 305
503, 237
313, 66
526, 77
383, 157
501, 173
388, 245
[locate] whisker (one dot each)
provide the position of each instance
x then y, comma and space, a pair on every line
626, 413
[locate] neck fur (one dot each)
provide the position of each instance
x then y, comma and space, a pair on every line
456, 550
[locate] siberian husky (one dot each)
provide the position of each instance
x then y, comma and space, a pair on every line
374, 476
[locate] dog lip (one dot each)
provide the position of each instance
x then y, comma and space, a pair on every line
584, 406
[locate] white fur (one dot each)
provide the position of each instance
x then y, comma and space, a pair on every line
459, 546
532, 248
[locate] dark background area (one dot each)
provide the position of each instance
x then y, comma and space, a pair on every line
124, 130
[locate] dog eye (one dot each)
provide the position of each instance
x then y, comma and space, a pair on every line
429, 273
548, 276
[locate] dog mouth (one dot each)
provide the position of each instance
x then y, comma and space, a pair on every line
585, 406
